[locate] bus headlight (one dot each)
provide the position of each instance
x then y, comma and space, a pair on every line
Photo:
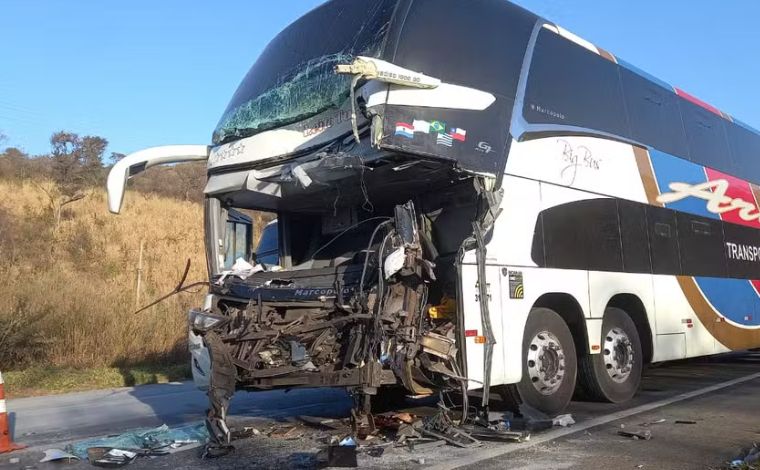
203, 321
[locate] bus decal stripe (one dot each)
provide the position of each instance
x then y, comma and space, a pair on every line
738, 328
647, 175
727, 334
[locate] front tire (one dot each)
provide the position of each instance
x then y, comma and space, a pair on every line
613, 375
548, 363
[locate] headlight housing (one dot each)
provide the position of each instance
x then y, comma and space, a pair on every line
203, 321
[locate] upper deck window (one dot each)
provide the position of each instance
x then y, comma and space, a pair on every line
654, 114
706, 135
569, 85
476, 43
745, 151
293, 79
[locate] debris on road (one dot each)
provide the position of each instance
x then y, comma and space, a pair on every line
659, 421
149, 442
57, 455
747, 457
636, 435
342, 454
287, 433
685, 421
563, 420
110, 458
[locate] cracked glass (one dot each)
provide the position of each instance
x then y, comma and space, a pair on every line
294, 77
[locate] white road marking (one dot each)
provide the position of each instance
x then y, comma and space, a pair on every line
480, 455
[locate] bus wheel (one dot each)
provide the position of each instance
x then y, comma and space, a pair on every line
614, 374
549, 362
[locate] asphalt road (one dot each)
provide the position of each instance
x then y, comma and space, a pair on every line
721, 395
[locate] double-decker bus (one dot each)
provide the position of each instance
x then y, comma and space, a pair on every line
467, 196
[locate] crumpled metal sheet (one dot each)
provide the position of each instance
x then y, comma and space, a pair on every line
146, 438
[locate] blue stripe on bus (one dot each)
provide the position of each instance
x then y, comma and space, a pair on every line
735, 299
644, 74
669, 169
746, 126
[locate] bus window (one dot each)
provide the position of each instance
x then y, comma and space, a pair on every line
706, 136
571, 86
663, 240
700, 241
443, 38
745, 151
736, 236
654, 114
266, 250
633, 231
583, 235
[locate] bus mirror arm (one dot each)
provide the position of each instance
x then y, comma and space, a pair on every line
140, 161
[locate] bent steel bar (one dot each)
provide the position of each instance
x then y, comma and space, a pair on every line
139, 161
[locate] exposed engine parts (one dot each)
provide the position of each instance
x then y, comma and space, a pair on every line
358, 325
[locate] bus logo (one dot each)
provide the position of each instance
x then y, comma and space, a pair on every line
714, 192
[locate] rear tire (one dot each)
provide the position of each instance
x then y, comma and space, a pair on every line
548, 364
614, 374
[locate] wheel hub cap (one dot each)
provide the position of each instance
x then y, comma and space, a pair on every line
546, 363
618, 355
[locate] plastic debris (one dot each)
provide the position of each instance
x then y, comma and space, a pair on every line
347, 441
152, 439
14, 460
636, 435
563, 420
113, 458
57, 455
419, 460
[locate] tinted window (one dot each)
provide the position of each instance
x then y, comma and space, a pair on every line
477, 43
583, 235
663, 240
654, 114
266, 251
294, 76
570, 85
701, 246
706, 137
633, 232
745, 151
738, 237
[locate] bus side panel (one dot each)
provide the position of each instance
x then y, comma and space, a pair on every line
473, 325
533, 283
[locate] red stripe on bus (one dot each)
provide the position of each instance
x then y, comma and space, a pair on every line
698, 102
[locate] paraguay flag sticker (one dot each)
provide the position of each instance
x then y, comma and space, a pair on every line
405, 130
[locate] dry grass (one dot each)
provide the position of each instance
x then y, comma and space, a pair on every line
67, 297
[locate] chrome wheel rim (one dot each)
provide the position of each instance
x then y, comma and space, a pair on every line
618, 355
546, 362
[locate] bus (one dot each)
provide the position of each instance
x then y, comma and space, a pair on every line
467, 197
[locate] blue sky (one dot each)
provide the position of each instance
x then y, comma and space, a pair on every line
142, 73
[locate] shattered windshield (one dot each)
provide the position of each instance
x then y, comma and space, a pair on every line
294, 77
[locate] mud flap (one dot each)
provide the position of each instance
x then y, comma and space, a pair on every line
220, 391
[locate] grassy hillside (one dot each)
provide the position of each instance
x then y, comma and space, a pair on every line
67, 294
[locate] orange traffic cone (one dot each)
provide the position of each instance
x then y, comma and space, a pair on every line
6, 444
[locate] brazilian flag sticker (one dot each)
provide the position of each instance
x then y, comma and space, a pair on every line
437, 126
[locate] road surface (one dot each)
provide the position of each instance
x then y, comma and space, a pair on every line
721, 395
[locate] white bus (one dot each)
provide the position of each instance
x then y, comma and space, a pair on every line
468, 197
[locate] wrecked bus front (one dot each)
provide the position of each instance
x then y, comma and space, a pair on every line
376, 133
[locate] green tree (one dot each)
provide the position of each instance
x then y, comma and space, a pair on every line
76, 165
